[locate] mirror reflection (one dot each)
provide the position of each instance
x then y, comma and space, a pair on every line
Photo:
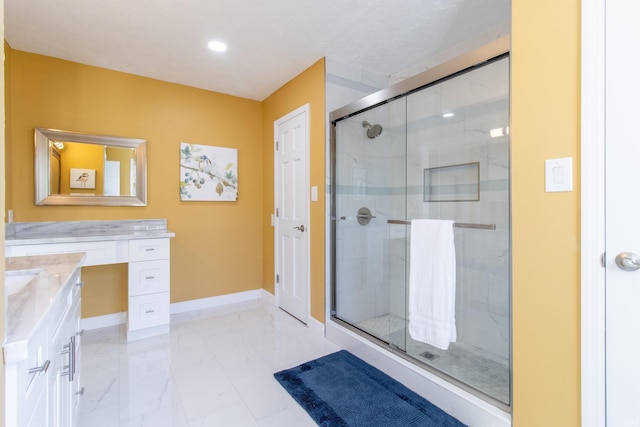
80, 168
87, 169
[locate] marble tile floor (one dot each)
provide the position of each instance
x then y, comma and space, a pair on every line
215, 368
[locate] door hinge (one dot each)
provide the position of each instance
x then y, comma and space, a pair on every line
277, 278
277, 145
603, 260
278, 212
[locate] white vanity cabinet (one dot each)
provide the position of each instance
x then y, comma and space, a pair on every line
148, 261
64, 351
148, 287
26, 384
42, 357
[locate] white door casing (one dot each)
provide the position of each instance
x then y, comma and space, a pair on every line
622, 210
610, 296
291, 158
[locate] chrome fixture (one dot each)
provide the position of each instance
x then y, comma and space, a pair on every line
373, 131
628, 261
364, 216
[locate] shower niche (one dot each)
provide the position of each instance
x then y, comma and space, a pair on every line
433, 147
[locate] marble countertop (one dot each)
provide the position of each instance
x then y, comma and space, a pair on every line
27, 308
34, 233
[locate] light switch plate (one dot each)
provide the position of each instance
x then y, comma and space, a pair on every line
558, 175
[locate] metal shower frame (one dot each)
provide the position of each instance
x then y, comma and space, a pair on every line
483, 55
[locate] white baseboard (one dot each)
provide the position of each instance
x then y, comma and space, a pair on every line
268, 297
316, 326
202, 303
98, 322
114, 319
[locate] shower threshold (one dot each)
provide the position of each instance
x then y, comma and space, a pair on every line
483, 372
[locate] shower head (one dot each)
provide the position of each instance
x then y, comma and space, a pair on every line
373, 131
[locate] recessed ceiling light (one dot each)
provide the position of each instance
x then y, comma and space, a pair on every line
217, 46
447, 115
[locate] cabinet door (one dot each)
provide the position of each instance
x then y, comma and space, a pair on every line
39, 414
59, 386
76, 388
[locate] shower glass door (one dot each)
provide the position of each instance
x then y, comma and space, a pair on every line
440, 152
458, 169
370, 187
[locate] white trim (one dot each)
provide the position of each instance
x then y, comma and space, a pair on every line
115, 319
268, 297
593, 214
316, 326
304, 109
107, 320
203, 303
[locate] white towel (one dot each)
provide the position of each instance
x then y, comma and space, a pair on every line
432, 283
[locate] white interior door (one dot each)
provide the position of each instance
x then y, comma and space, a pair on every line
111, 178
292, 212
622, 142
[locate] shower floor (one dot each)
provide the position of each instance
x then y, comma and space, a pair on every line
468, 364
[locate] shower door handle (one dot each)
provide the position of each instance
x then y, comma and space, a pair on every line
301, 228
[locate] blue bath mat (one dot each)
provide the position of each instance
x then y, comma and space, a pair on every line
342, 390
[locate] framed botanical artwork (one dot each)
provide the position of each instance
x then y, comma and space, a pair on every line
208, 173
82, 178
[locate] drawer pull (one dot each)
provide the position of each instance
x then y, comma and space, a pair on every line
149, 277
80, 284
81, 392
150, 249
149, 311
41, 369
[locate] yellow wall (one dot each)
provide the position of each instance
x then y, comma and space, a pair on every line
308, 87
218, 245
545, 124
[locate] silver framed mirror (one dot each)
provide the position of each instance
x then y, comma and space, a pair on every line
73, 168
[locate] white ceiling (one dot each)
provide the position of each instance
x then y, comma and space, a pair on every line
270, 42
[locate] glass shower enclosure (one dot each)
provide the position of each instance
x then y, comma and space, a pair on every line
439, 150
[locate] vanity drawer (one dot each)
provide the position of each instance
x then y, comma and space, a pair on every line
104, 252
146, 311
148, 277
148, 249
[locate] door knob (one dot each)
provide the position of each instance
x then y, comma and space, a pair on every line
628, 261
301, 228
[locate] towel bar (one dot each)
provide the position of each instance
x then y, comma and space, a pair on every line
455, 224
